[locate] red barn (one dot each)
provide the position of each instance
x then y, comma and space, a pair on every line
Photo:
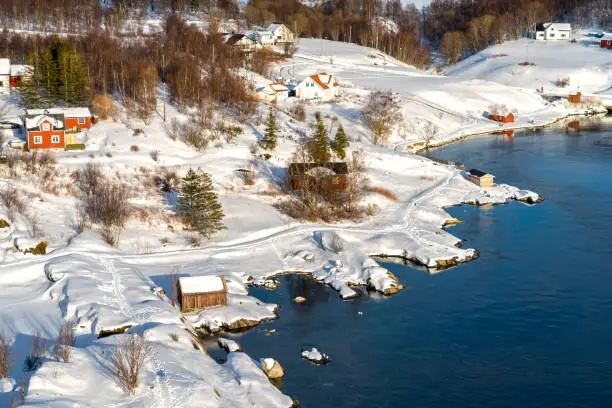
45, 131
507, 118
18, 72
75, 118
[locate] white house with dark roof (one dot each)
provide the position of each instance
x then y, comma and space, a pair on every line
322, 86
553, 31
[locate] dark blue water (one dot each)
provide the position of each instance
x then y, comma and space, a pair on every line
528, 324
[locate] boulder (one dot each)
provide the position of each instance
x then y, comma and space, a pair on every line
272, 368
299, 299
315, 356
228, 345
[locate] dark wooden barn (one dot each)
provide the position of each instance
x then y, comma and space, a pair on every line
318, 176
199, 292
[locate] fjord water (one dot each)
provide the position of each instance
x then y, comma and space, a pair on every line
528, 324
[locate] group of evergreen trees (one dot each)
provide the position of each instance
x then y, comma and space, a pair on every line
58, 75
319, 146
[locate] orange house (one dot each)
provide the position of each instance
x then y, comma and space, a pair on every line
508, 118
45, 131
75, 118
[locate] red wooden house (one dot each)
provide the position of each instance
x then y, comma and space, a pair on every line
46, 131
606, 41
75, 118
507, 118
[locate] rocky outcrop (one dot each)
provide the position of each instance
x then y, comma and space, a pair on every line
229, 345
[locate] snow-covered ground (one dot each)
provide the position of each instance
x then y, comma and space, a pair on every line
104, 288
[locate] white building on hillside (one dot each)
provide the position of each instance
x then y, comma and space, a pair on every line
553, 31
273, 92
5, 75
321, 86
275, 34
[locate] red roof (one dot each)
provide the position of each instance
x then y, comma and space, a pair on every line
324, 85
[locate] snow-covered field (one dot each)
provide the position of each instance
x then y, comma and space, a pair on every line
105, 288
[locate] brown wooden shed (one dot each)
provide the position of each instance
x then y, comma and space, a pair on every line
574, 97
199, 292
318, 175
480, 178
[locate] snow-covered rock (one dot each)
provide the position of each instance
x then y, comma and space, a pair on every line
229, 345
299, 299
315, 356
272, 368
7, 385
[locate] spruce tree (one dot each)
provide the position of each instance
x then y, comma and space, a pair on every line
269, 140
318, 144
340, 143
199, 203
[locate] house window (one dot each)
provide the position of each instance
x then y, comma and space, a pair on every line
81, 121
55, 139
46, 127
552, 35
37, 139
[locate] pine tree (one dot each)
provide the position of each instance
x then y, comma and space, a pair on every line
269, 140
199, 203
340, 143
318, 144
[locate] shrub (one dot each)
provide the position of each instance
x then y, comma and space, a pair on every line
34, 360
104, 107
372, 209
5, 356
110, 235
138, 131
336, 243
383, 192
174, 337
154, 155
39, 249
249, 177
65, 341
111, 332
75, 146
4, 223
126, 361
107, 204
562, 82
134, 148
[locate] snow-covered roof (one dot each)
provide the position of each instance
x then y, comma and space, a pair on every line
19, 70
273, 27
201, 284
556, 26
5, 66
67, 112
278, 87
34, 122
607, 37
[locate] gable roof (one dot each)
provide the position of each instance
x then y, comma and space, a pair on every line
278, 87
67, 112
274, 26
232, 39
33, 122
556, 26
5, 66
201, 284
323, 80
296, 169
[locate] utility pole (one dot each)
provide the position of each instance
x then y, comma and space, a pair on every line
164, 82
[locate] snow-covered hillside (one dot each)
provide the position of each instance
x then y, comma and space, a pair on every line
99, 287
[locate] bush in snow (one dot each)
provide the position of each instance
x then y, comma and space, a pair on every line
154, 154
34, 360
126, 361
5, 356
104, 107
380, 115
65, 341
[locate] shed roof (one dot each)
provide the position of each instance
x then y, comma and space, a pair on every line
67, 112
5, 66
19, 70
273, 27
201, 284
479, 173
303, 168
